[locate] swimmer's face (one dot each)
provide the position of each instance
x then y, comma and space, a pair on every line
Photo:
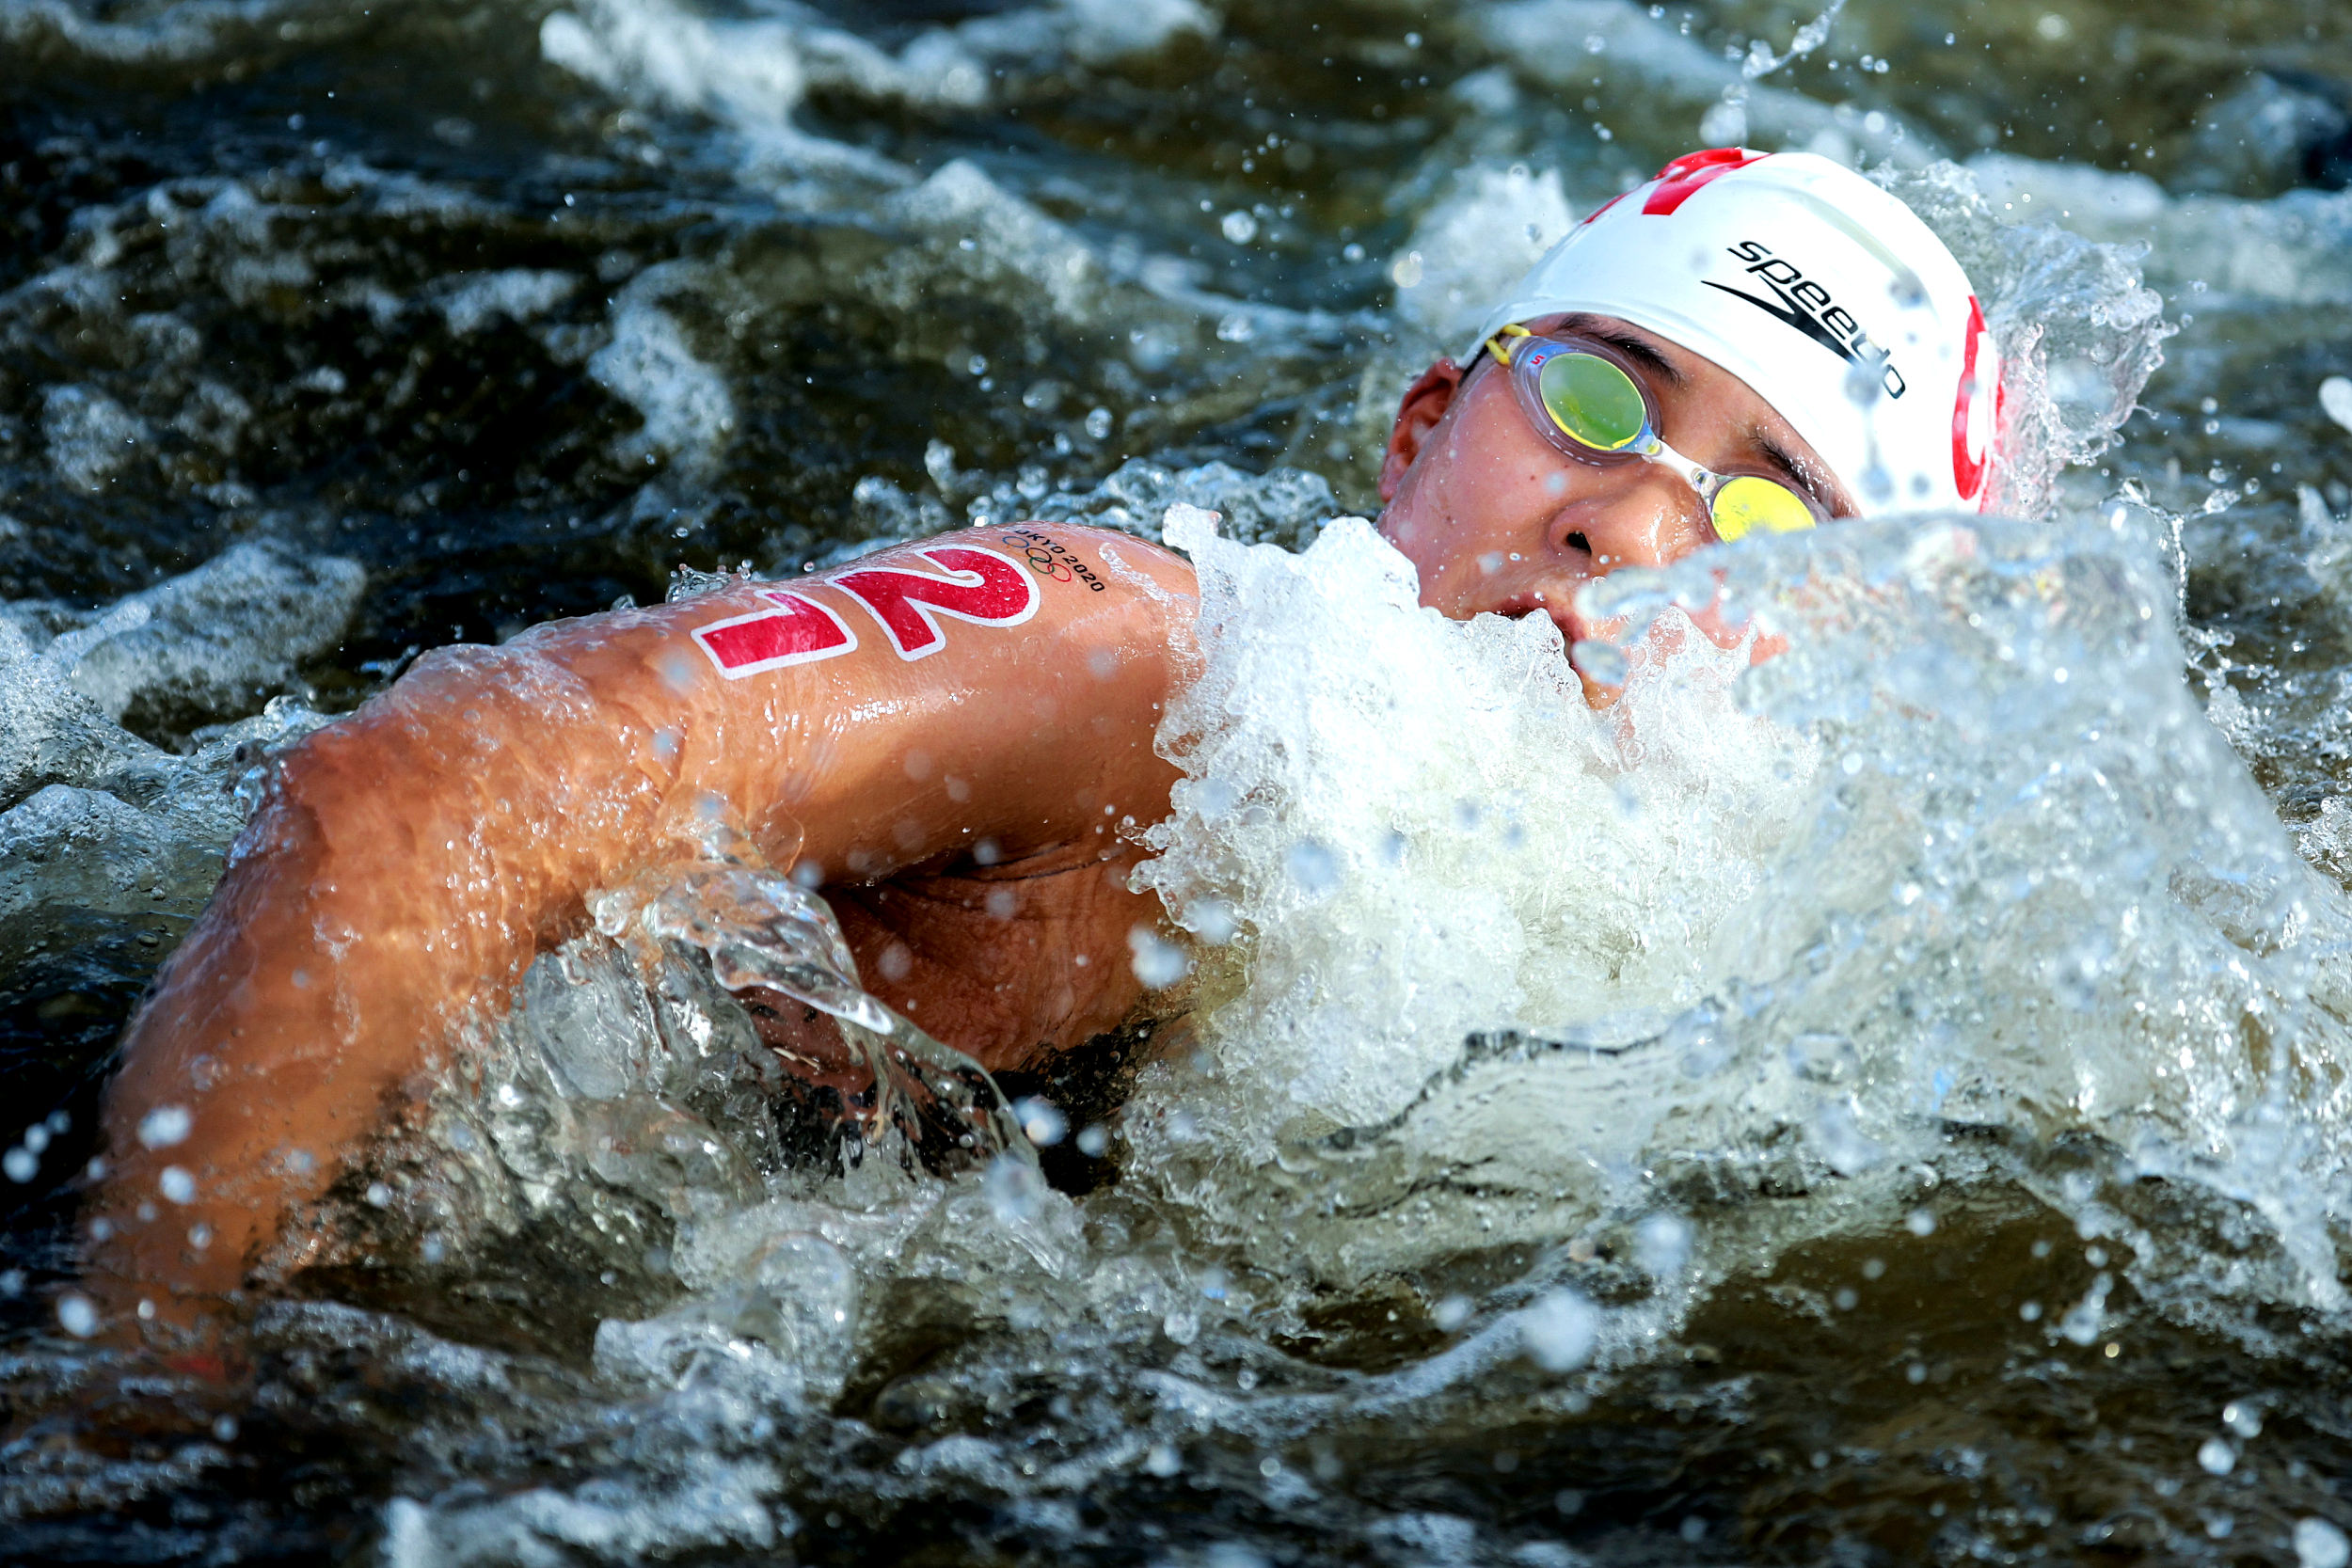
1497, 518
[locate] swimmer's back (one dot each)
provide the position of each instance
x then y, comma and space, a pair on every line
920, 729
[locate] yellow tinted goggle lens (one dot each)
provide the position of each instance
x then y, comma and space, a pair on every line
1749, 502
1593, 401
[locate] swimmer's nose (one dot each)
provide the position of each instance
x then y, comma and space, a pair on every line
1634, 514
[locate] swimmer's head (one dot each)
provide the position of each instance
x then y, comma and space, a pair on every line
1785, 317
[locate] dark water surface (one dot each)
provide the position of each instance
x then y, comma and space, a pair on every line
418, 323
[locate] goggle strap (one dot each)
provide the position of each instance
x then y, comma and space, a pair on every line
1495, 344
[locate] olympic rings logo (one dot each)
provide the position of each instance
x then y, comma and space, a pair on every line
1041, 562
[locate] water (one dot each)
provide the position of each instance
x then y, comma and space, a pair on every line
1886, 1107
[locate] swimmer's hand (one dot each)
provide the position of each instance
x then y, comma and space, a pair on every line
959, 776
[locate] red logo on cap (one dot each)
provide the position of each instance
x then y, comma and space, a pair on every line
1679, 180
1972, 444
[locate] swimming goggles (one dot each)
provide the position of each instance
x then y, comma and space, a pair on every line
1587, 402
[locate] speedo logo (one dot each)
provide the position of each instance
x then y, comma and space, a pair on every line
1807, 307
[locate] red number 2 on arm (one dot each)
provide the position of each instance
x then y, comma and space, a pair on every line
981, 587
984, 588
797, 631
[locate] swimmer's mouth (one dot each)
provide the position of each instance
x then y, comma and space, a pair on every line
1574, 628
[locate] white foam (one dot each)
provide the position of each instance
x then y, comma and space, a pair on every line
1102, 31
219, 639
1426, 832
688, 411
91, 437
477, 300
747, 72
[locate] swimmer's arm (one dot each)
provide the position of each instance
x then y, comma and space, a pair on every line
414, 857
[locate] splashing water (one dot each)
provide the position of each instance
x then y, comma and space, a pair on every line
1887, 1100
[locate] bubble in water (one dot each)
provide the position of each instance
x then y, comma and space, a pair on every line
1041, 1119
1212, 920
2241, 1416
1312, 868
2083, 1325
1156, 963
77, 1316
2216, 1458
1013, 1188
165, 1126
2320, 1545
1662, 1244
1239, 227
1843, 1144
1603, 661
1559, 1329
1098, 424
1093, 1141
20, 1164
176, 1184
1823, 1058
1919, 1223
1865, 384
1162, 1460
1725, 125
1451, 1313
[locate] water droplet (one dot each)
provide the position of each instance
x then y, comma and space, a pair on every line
1013, 1188
1312, 868
2320, 1545
165, 1126
1662, 1244
2216, 1458
1559, 1329
1157, 963
1041, 1119
77, 1316
2335, 398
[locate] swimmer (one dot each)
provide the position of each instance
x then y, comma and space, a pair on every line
955, 738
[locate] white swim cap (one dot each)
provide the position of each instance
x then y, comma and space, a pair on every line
1824, 293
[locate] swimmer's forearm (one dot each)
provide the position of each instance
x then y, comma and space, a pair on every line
416, 856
